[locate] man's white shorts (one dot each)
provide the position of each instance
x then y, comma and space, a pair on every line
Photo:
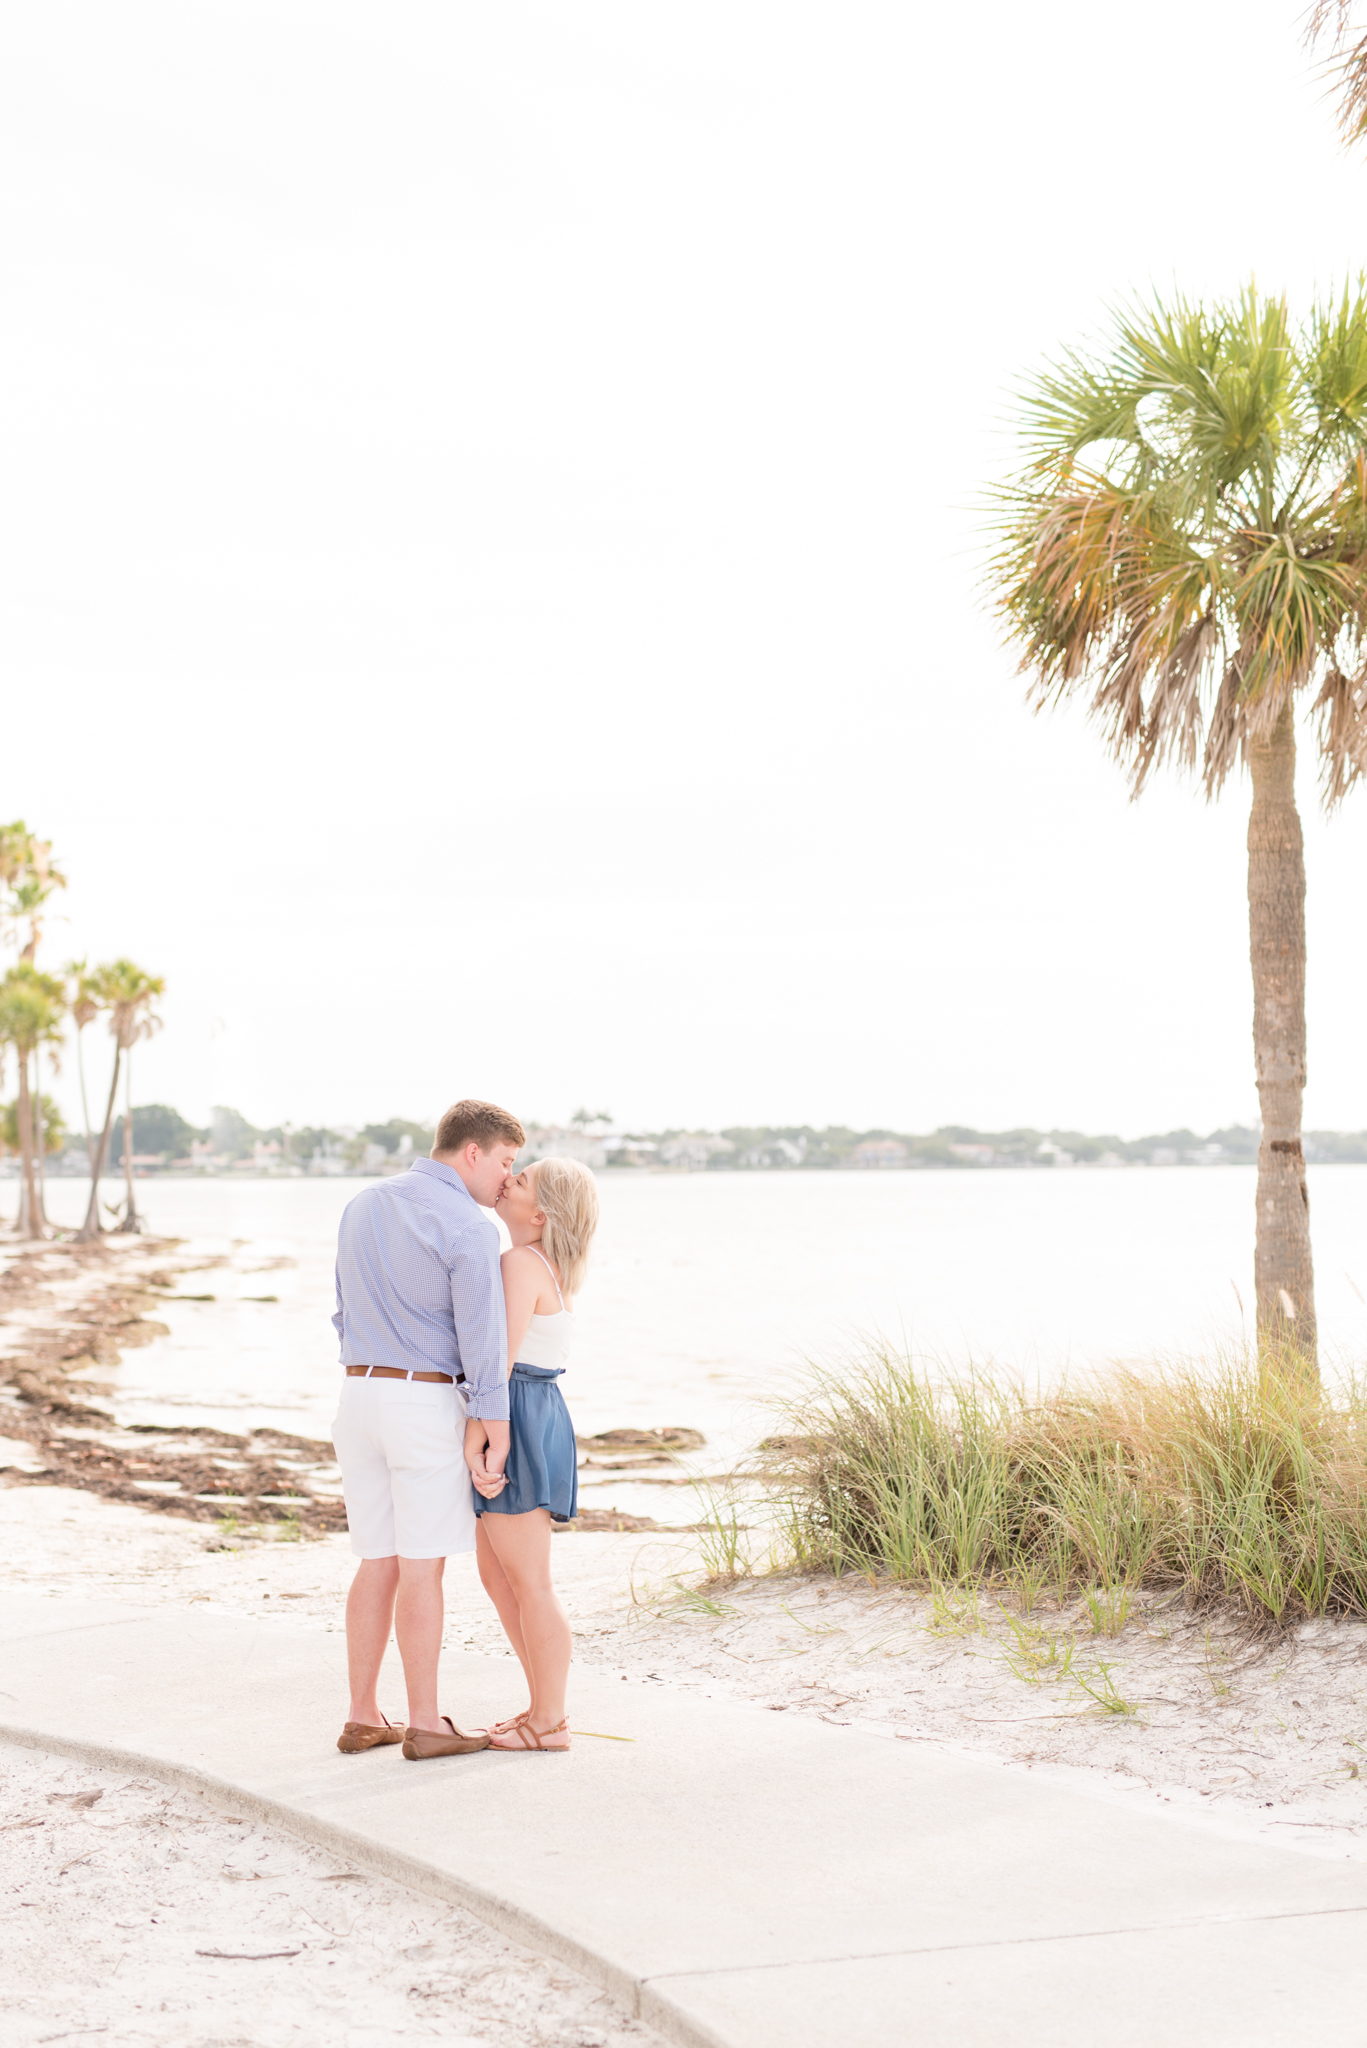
401, 1446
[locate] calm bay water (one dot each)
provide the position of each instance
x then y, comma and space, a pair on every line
708, 1290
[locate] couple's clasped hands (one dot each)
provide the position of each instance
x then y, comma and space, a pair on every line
485, 1457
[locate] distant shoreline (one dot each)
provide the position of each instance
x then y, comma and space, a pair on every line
651, 1170
165, 1142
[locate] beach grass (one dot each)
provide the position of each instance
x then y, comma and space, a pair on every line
722, 1536
1234, 1480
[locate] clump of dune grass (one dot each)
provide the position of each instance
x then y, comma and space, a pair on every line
722, 1544
1240, 1480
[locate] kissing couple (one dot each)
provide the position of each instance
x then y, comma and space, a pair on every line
451, 1431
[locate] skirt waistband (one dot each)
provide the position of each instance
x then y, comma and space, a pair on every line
537, 1372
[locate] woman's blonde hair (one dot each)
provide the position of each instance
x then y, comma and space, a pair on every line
567, 1196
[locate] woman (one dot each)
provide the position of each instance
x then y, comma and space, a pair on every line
551, 1210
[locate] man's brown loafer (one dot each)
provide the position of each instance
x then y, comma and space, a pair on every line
356, 1736
424, 1742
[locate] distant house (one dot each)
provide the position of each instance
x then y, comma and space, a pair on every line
400, 1161
555, 1141
875, 1152
976, 1155
1050, 1154
777, 1153
630, 1151
693, 1150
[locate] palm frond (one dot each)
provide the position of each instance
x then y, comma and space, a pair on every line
1333, 367
1298, 607
1346, 65
1342, 710
1186, 543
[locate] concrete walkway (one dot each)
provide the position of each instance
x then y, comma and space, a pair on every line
737, 1878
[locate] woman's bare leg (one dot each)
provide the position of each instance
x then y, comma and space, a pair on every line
522, 1545
496, 1584
369, 1618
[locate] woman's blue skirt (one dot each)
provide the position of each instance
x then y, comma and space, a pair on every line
543, 1467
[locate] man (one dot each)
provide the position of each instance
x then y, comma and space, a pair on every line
424, 1346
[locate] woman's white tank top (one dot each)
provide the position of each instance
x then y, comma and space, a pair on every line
549, 1338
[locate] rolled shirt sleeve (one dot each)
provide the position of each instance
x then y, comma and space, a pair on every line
481, 1325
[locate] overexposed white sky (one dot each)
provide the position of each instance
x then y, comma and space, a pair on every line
489, 550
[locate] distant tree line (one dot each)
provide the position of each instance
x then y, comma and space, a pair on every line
800, 1147
166, 1138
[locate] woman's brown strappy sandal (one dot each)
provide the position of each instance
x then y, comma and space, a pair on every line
513, 1721
531, 1743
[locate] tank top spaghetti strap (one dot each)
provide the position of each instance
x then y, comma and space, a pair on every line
549, 1338
551, 1270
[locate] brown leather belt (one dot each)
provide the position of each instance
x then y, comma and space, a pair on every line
396, 1372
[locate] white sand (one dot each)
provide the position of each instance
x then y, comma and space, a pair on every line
112, 1889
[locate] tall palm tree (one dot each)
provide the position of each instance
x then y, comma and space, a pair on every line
32, 1006
1186, 545
128, 996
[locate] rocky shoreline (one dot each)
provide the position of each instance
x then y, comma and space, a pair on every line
68, 1311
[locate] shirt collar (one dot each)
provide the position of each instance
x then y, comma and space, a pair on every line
440, 1171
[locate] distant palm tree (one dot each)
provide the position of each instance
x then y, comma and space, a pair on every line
54, 1126
127, 996
29, 876
1187, 545
32, 1006
84, 1010
1332, 20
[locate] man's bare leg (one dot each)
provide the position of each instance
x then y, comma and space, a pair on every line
369, 1619
417, 1624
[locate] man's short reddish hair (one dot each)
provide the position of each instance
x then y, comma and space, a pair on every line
479, 1123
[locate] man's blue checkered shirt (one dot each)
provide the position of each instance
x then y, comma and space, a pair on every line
419, 1284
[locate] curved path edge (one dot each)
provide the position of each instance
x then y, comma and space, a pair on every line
636, 1996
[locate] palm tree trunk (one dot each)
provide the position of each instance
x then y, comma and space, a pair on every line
21, 1215
4, 1049
31, 1225
21, 1219
1283, 1273
85, 1106
91, 1227
39, 1136
130, 1214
